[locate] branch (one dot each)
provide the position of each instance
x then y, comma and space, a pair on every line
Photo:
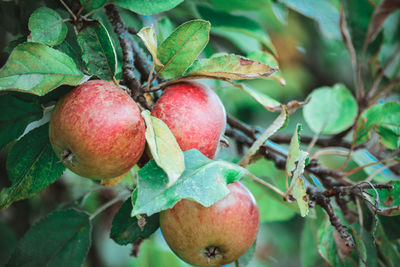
128, 56
320, 199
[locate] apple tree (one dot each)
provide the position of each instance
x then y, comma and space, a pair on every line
210, 133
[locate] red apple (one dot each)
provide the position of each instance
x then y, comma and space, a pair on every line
194, 114
215, 235
97, 130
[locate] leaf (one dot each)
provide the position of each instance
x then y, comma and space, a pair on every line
203, 181
38, 69
147, 7
230, 66
164, 147
60, 239
328, 248
324, 12
277, 124
269, 60
381, 12
224, 23
92, 4
294, 151
297, 187
389, 201
358, 14
231, 5
164, 29
31, 166
266, 101
363, 157
8, 242
46, 27
98, 50
15, 115
182, 47
385, 118
387, 249
331, 110
126, 230
149, 38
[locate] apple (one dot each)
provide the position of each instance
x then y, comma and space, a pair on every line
215, 235
194, 114
97, 130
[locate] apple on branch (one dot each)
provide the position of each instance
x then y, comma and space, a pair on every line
97, 130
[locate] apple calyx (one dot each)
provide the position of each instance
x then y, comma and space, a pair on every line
212, 252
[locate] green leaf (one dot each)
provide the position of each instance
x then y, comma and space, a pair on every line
46, 27
164, 29
230, 5
60, 239
93, 4
331, 109
149, 38
203, 181
223, 22
327, 246
38, 69
324, 12
294, 151
15, 115
31, 166
126, 230
230, 66
297, 187
164, 147
182, 47
363, 157
98, 51
358, 15
278, 123
388, 250
147, 7
266, 101
71, 47
389, 201
269, 60
385, 118
8, 242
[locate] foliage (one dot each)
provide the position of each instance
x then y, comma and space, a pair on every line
341, 57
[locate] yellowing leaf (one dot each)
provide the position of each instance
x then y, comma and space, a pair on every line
294, 151
164, 148
270, 60
278, 123
113, 181
149, 39
297, 188
231, 66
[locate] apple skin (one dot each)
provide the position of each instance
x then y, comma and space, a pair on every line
230, 226
194, 114
97, 130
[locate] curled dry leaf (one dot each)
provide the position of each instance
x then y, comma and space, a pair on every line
149, 38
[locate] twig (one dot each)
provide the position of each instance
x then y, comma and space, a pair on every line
320, 199
121, 197
68, 10
270, 186
128, 55
374, 86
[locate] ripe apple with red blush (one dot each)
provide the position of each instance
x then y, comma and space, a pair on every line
194, 114
215, 235
97, 130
